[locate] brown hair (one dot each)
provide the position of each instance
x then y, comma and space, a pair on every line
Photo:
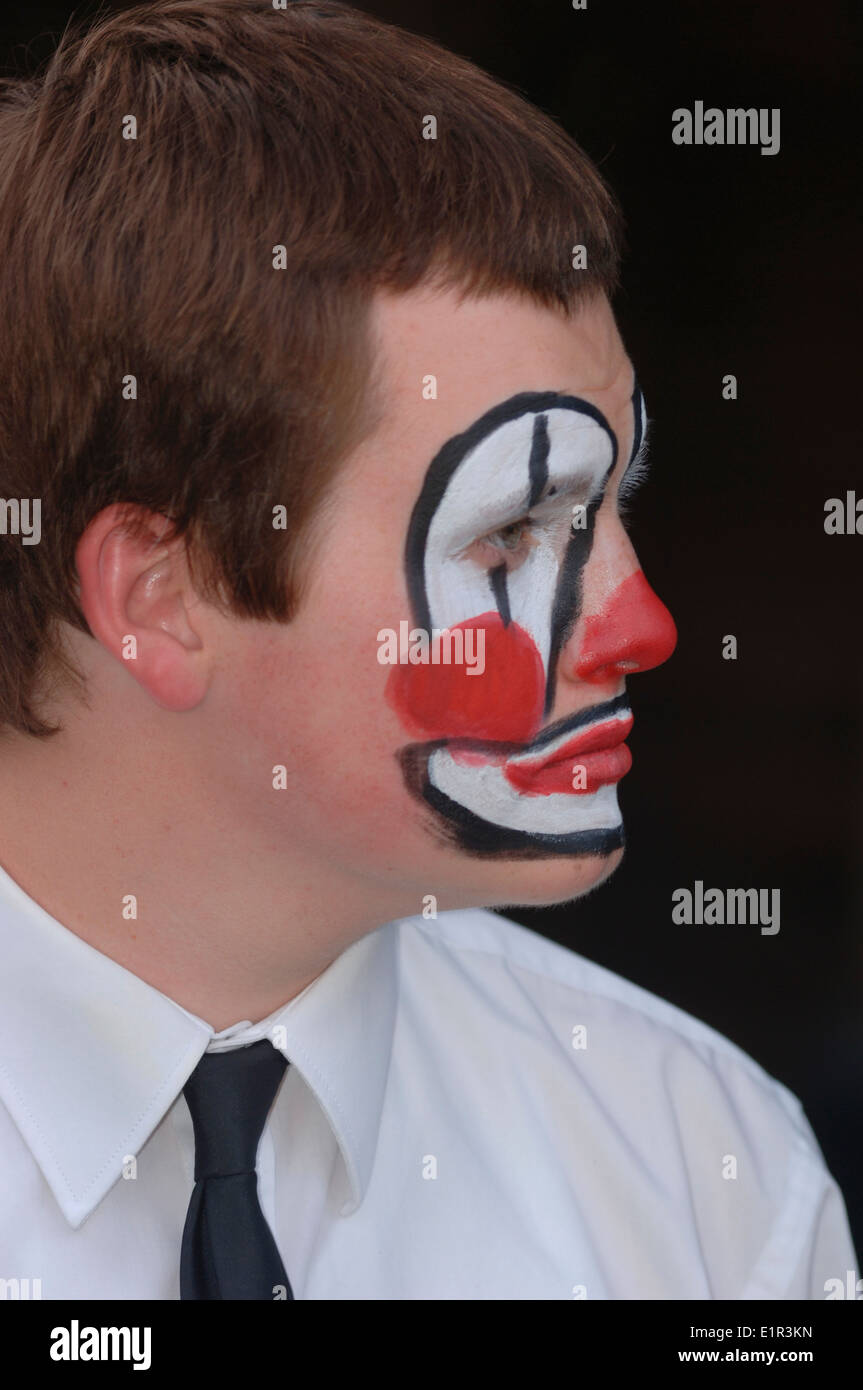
154, 256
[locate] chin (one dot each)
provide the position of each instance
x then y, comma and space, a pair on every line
548, 882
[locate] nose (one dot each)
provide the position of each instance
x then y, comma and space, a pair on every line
633, 631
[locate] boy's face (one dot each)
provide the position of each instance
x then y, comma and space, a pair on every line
450, 701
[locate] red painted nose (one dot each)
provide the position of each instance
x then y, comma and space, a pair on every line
633, 632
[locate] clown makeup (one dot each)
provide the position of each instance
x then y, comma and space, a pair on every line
498, 541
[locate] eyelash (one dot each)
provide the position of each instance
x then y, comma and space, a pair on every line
635, 475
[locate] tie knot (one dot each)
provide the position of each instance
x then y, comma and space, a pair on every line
229, 1095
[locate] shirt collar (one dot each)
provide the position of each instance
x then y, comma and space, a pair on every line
92, 1058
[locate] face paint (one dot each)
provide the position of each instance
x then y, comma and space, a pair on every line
635, 630
497, 781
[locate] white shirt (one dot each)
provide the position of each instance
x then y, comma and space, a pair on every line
437, 1134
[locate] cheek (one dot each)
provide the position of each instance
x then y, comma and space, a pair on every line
314, 709
501, 700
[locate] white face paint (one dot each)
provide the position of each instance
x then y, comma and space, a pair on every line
487, 793
535, 457
492, 489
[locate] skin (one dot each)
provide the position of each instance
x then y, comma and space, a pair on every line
161, 785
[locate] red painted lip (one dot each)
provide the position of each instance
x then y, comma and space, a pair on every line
600, 750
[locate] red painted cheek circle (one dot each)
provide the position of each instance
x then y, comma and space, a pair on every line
503, 703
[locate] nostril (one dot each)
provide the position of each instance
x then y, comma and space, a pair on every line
607, 674
634, 631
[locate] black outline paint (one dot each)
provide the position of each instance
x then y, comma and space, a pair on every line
500, 593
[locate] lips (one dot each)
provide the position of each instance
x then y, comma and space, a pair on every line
599, 750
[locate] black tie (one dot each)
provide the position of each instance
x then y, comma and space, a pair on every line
228, 1248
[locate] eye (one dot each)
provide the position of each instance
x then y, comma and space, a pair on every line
510, 537
511, 543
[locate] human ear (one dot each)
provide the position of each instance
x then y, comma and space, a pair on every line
137, 596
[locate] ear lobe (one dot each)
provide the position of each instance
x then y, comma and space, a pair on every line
136, 593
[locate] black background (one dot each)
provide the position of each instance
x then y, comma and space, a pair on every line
747, 773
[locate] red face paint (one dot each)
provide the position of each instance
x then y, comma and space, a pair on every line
503, 703
633, 632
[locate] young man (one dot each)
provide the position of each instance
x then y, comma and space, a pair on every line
322, 652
